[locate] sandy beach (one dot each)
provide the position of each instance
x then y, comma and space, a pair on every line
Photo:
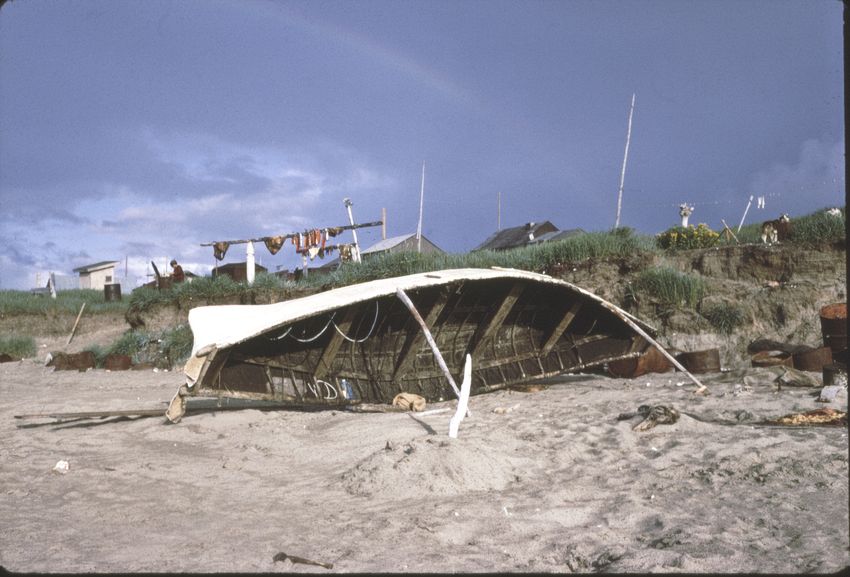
546, 481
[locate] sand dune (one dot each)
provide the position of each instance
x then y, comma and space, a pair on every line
547, 481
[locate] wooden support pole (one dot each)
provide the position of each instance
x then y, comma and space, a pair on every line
729, 230
76, 322
413, 341
440, 361
463, 402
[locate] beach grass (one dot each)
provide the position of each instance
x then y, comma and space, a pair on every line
670, 287
17, 346
14, 302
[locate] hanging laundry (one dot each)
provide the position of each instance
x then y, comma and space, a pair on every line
273, 243
334, 231
220, 249
345, 252
313, 251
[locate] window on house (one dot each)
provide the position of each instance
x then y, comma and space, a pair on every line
109, 278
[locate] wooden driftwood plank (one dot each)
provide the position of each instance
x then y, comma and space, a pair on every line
76, 322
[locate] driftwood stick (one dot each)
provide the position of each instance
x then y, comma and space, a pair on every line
76, 322
95, 414
726, 228
701, 388
440, 361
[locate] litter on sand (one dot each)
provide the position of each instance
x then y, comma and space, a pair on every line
815, 417
652, 415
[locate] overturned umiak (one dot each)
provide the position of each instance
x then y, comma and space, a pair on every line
361, 343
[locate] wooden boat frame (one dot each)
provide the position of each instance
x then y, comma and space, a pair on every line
360, 343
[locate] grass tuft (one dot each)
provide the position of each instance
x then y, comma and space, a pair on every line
669, 287
725, 317
17, 346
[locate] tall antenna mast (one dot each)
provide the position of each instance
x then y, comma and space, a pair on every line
625, 157
421, 199
499, 211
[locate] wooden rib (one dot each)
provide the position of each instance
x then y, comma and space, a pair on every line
323, 366
491, 323
415, 339
559, 329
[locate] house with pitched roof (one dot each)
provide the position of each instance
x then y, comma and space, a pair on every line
517, 236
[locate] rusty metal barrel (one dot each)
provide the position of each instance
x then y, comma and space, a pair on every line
707, 361
112, 292
813, 360
772, 359
117, 362
652, 361
834, 375
833, 324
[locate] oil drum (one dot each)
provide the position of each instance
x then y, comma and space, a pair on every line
112, 292
813, 360
652, 361
707, 361
833, 324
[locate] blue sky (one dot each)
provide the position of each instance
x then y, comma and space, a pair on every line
139, 130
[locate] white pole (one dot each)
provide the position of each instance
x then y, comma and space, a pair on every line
249, 264
625, 157
463, 402
421, 200
499, 211
384, 224
745, 213
355, 250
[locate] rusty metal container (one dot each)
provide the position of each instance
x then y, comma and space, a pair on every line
112, 292
650, 362
772, 359
813, 360
117, 362
707, 361
833, 324
834, 375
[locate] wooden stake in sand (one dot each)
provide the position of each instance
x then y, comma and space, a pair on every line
440, 361
701, 388
76, 322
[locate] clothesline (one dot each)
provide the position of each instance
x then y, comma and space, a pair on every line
293, 234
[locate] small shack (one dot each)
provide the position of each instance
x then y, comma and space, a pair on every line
517, 236
238, 271
96, 276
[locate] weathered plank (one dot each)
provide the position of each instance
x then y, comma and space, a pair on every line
494, 319
559, 329
323, 366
